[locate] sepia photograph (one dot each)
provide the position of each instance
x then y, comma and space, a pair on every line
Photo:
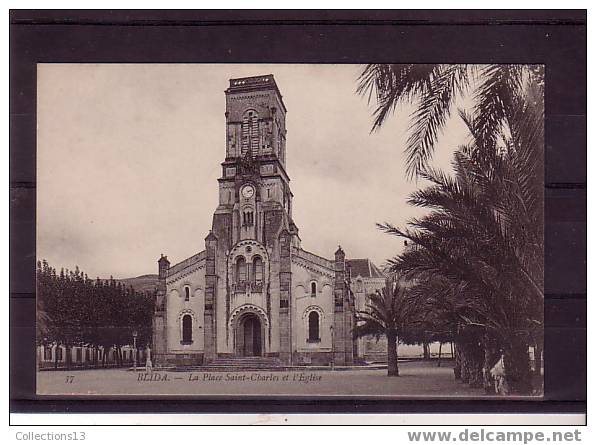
290, 230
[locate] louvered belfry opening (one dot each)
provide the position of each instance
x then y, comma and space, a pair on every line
250, 133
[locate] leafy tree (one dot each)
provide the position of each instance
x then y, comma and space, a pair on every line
43, 319
77, 311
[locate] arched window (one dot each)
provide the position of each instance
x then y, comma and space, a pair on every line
250, 132
187, 329
313, 289
186, 293
359, 287
240, 269
258, 270
313, 327
248, 219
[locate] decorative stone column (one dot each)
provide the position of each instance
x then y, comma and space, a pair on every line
285, 286
343, 352
160, 316
210, 319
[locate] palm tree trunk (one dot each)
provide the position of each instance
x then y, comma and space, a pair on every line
517, 367
457, 367
471, 366
489, 362
476, 364
392, 368
465, 366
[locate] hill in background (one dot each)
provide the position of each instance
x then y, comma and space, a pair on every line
143, 283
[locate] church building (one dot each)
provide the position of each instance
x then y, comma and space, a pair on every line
254, 292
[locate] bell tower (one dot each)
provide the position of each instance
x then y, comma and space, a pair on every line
254, 181
255, 119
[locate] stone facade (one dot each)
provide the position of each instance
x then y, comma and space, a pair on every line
253, 290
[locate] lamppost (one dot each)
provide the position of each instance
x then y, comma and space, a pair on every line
134, 346
332, 348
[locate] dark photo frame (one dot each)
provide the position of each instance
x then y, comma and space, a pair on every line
556, 39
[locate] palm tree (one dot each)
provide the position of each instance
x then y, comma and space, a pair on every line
388, 312
435, 88
484, 234
447, 306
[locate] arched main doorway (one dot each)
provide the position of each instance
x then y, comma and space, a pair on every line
249, 336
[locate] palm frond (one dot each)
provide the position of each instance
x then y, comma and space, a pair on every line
389, 84
434, 108
495, 98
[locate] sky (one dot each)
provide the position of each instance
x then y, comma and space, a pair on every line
128, 157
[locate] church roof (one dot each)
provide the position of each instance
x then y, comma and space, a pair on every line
186, 263
364, 267
313, 258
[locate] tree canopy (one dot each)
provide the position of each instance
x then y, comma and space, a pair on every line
75, 310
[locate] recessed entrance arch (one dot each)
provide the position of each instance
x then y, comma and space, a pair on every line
249, 336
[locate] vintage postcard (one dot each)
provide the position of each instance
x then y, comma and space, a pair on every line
218, 230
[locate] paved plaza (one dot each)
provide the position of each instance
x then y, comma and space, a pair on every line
417, 379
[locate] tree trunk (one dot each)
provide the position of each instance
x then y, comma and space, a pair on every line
471, 364
491, 357
465, 366
392, 367
518, 377
476, 363
439, 362
457, 366
56, 357
68, 356
426, 351
452, 350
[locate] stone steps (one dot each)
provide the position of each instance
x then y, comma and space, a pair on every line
233, 364
246, 362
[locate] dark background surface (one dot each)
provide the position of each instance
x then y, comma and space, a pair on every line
554, 38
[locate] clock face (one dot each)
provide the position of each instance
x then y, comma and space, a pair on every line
248, 191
